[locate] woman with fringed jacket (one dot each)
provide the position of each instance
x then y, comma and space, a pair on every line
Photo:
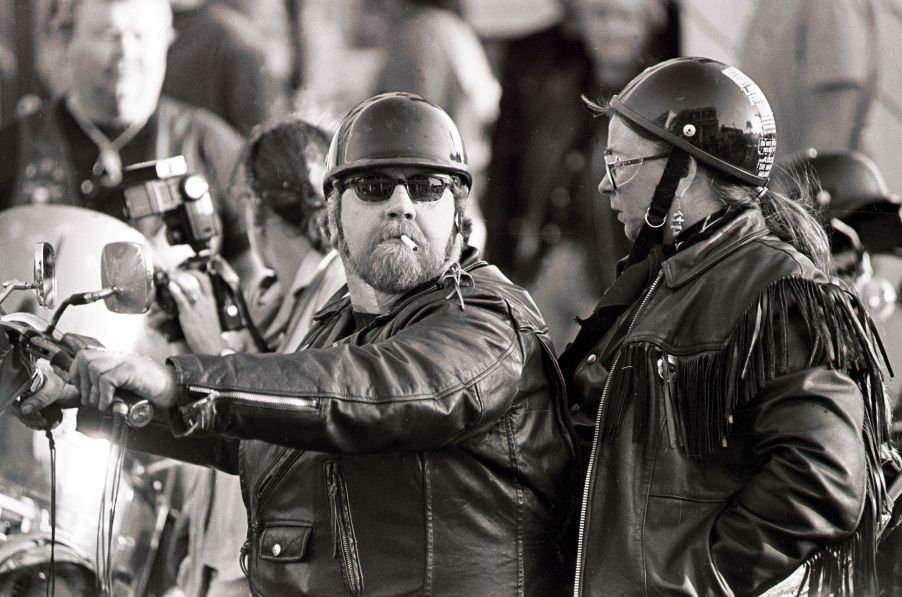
739, 413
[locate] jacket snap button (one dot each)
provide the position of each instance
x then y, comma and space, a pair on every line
591, 359
276, 550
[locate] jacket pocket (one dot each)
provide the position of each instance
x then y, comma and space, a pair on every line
344, 540
676, 553
285, 541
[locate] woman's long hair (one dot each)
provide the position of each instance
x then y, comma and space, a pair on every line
790, 213
277, 172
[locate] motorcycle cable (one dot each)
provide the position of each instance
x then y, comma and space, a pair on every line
51, 581
108, 506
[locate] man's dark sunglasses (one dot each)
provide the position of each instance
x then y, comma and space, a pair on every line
379, 187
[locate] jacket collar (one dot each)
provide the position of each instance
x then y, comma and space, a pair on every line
687, 264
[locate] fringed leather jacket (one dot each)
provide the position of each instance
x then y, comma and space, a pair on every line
740, 416
427, 453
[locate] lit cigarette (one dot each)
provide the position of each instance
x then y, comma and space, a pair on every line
410, 244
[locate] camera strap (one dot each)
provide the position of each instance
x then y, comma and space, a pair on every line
109, 162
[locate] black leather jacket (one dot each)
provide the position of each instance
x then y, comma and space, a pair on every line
428, 453
733, 441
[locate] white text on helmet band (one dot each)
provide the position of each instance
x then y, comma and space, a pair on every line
767, 144
755, 97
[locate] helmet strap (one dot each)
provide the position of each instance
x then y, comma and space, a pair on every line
652, 232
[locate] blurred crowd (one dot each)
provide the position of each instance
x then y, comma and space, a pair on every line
83, 95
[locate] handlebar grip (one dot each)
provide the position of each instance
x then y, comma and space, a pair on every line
53, 414
61, 360
137, 412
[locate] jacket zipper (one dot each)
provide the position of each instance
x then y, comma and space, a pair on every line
281, 464
254, 528
253, 399
343, 542
245, 494
587, 488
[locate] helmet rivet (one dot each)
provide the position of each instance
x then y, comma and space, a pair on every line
688, 130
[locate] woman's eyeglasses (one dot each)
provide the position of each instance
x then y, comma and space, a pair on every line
620, 171
379, 187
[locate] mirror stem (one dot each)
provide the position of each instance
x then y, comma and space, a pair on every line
86, 298
83, 298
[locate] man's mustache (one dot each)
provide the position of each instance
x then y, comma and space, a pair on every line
397, 229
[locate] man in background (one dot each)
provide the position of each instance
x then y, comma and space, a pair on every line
73, 150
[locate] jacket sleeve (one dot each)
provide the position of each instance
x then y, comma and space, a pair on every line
156, 438
449, 375
809, 491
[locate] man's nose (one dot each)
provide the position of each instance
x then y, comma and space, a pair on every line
127, 45
400, 205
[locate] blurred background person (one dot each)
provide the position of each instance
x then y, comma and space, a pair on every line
8, 63
282, 174
217, 61
277, 24
72, 150
832, 71
546, 226
284, 170
430, 50
105, 113
816, 63
864, 223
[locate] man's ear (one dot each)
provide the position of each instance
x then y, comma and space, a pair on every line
686, 181
328, 223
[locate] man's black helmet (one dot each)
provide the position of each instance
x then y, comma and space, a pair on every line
396, 129
712, 111
850, 187
846, 180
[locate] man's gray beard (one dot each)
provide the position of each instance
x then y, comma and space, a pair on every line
393, 268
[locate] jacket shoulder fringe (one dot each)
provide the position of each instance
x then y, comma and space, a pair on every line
702, 391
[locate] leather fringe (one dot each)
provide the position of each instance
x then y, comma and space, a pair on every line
702, 391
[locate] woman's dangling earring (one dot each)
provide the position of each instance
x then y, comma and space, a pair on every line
677, 219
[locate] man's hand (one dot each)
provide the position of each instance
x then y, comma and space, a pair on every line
53, 390
198, 314
98, 374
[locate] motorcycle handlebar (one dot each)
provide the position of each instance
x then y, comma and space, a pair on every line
136, 411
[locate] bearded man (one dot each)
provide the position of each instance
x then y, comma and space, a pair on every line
417, 442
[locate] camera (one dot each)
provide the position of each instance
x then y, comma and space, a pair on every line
164, 188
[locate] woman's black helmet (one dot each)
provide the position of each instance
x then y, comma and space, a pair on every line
712, 111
